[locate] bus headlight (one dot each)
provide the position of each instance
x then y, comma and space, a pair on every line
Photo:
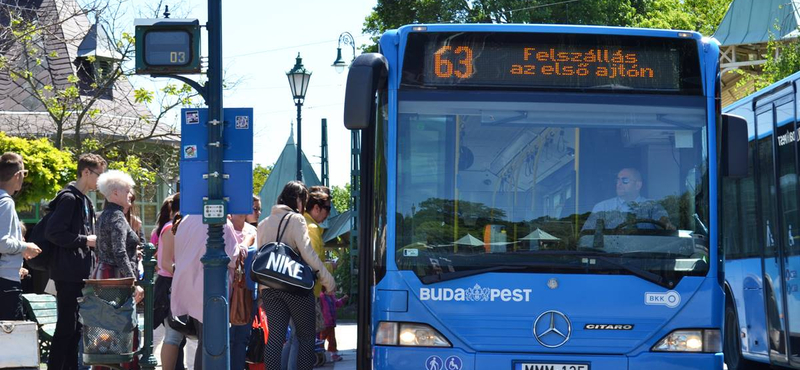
696, 340
392, 333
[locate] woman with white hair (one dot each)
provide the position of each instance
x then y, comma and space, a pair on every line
117, 243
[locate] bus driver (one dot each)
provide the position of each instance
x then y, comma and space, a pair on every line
616, 211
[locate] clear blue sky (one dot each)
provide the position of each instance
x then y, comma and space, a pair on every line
260, 42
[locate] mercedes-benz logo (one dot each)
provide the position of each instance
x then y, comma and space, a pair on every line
552, 329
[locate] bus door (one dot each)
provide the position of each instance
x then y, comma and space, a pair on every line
784, 236
785, 114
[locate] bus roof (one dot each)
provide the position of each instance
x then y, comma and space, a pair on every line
548, 28
765, 91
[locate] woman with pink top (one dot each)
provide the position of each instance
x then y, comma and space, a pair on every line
164, 240
187, 293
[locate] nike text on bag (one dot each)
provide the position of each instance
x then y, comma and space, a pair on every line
278, 266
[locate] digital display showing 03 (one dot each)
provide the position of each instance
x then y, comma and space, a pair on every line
552, 61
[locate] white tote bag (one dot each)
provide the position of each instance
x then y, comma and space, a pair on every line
19, 341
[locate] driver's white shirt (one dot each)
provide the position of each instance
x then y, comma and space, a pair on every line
612, 211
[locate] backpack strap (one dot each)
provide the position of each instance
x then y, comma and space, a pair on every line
280, 234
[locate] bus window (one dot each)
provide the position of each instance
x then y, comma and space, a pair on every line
506, 179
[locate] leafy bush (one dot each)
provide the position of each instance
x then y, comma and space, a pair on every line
49, 169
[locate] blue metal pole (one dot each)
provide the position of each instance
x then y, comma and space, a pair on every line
216, 354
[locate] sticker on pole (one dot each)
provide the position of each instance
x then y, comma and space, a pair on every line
190, 151
242, 122
669, 298
192, 117
213, 212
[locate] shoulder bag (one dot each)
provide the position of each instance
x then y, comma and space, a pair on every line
241, 298
278, 266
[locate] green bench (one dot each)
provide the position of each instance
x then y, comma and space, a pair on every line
42, 309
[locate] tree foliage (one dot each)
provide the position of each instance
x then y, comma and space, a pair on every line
783, 59
341, 197
91, 106
260, 175
695, 15
49, 169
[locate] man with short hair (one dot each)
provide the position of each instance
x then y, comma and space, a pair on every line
12, 246
629, 201
71, 229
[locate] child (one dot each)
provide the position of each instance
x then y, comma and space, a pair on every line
329, 305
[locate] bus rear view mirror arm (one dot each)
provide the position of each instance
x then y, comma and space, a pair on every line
367, 75
733, 158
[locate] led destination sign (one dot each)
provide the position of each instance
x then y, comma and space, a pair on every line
552, 61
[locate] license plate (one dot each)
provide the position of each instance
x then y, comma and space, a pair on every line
550, 366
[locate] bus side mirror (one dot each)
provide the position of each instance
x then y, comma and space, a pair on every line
367, 75
734, 146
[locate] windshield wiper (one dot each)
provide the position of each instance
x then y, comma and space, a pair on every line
640, 273
428, 279
601, 256
606, 257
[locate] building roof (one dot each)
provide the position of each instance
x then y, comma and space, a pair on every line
755, 21
285, 170
96, 43
66, 45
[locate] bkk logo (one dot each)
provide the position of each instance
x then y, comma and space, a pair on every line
475, 294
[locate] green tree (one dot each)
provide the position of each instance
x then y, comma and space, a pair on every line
260, 175
693, 15
341, 197
783, 59
49, 169
390, 14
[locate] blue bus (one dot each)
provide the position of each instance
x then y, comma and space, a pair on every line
762, 254
540, 197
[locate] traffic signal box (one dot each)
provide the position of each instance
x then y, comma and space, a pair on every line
167, 46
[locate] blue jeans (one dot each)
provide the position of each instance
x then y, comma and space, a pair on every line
290, 350
240, 336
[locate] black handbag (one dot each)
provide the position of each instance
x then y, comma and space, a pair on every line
278, 266
255, 347
183, 324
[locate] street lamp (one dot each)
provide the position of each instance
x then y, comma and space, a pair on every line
298, 82
347, 39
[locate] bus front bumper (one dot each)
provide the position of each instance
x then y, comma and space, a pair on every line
390, 358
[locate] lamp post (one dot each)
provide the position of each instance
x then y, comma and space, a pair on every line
298, 82
347, 39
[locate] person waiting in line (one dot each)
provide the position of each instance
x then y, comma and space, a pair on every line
117, 242
317, 210
252, 218
164, 240
279, 305
629, 201
240, 334
13, 248
72, 229
191, 236
330, 304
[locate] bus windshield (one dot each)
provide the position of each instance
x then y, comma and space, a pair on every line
568, 183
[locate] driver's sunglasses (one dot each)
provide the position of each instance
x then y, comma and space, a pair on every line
624, 180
